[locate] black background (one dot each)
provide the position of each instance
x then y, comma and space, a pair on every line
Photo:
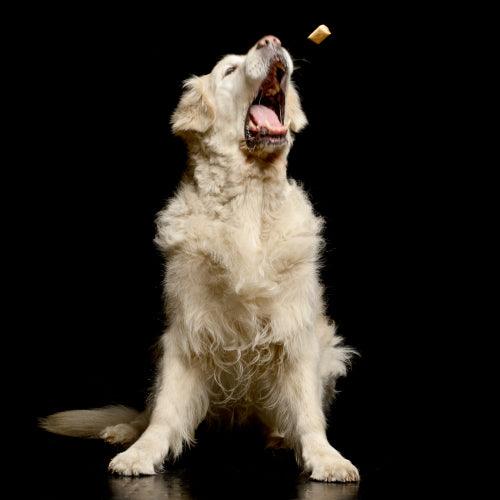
97, 161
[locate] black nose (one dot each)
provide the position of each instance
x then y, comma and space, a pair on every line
268, 40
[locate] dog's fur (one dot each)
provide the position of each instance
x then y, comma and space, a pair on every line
247, 333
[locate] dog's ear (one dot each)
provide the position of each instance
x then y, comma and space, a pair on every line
296, 116
195, 111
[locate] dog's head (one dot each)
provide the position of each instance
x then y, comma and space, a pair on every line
247, 102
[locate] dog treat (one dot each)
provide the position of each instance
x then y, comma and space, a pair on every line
319, 34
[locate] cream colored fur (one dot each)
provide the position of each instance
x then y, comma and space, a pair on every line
247, 332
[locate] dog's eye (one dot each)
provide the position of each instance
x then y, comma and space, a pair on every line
230, 70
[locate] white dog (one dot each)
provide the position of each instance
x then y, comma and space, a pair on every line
247, 333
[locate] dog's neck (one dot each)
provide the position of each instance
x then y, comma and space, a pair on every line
222, 172
229, 182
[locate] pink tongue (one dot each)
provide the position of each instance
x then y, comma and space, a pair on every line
264, 117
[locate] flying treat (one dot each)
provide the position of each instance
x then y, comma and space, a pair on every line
319, 34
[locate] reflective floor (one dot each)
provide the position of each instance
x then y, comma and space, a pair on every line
219, 467
174, 485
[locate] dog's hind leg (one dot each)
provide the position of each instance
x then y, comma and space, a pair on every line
180, 404
126, 433
334, 358
274, 438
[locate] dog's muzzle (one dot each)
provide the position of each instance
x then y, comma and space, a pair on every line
264, 124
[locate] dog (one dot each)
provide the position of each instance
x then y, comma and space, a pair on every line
247, 335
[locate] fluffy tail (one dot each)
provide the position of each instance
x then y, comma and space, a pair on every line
87, 423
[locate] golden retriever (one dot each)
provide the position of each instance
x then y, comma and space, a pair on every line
247, 334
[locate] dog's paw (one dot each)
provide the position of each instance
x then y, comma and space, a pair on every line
334, 469
119, 434
132, 463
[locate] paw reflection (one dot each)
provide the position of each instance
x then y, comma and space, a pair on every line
327, 491
156, 487
174, 487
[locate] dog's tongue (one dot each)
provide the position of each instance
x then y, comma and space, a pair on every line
264, 117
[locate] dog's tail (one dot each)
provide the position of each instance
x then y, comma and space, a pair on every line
87, 423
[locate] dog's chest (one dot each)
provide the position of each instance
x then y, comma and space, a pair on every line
249, 246
252, 219
249, 220
263, 240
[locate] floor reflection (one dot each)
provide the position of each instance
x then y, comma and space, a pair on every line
148, 488
322, 491
168, 486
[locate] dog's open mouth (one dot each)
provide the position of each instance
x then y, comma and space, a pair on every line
264, 124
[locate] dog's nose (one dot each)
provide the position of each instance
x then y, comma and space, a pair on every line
268, 40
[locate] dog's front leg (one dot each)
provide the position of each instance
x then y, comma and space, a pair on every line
300, 412
180, 404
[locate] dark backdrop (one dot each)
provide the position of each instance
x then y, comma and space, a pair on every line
97, 162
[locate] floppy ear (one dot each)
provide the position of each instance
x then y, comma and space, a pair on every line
195, 111
296, 116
